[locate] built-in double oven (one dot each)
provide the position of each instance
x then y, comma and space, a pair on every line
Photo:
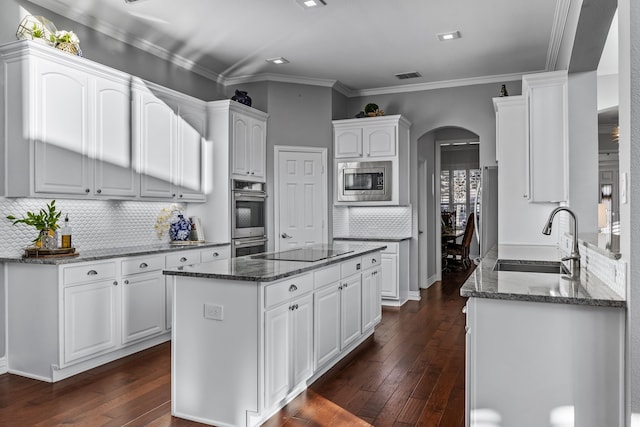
248, 218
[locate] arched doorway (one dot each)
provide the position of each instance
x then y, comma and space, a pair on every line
449, 172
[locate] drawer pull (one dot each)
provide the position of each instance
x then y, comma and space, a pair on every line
358, 266
215, 254
183, 259
126, 282
293, 288
373, 260
340, 287
115, 283
144, 265
92, 273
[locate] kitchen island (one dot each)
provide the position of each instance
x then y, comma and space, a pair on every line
251, 333
540, 349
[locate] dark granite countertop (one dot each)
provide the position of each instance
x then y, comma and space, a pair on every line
250, 268
484, 282
99, 254
373, 239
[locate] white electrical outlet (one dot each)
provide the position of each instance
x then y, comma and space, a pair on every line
213, 312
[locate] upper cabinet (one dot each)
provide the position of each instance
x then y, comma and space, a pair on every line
79, 129
239, 134
363, 138
372, 139
67, 124
168, 132
546, 99
248, 141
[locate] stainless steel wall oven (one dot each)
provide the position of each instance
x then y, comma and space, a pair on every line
248, 218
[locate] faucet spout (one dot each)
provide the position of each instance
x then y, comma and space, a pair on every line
574, 257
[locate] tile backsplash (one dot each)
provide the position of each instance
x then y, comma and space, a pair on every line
96, 224
372, 221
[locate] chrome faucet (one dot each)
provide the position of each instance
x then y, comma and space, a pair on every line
574, 257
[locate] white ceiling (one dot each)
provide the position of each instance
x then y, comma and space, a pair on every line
357, 44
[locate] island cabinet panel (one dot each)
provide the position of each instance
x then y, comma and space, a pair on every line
264, 340
527, 361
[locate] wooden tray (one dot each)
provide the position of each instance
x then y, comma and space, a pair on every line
49, 253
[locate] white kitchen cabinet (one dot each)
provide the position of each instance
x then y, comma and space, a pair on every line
169, 134
91, 313
362, 138
143, 298
351, 309
371, 291
574, 359
173, 260
389, 287
288, 336
372, 139
547, 168
248, 139
327, 324
63, 112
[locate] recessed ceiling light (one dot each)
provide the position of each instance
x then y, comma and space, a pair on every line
448, 36
278, 61
308, 4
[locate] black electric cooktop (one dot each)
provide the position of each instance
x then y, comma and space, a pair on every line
303, 254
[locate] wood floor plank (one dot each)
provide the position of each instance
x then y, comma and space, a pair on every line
411, 373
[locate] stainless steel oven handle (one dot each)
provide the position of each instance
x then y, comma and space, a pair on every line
253, 194
245, 243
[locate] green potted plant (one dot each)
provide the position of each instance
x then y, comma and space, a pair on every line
45, 221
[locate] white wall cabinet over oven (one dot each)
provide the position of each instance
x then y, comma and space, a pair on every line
67, 126
249, 137
375, 139
169, 133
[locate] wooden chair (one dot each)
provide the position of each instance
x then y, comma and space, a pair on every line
462, 249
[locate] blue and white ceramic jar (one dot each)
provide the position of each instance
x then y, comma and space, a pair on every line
179, 228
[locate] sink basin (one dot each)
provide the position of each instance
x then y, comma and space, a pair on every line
528, 266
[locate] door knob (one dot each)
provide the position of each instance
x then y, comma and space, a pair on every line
286, 236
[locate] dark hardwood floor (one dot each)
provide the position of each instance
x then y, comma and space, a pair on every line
411, 373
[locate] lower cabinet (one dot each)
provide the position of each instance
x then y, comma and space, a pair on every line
288, 347
90, 318
371, 301
65, 319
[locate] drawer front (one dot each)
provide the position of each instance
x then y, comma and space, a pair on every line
351, 266
370, 260
214, 254
177, 259
326, 276
88, 272
142, 264
286, 290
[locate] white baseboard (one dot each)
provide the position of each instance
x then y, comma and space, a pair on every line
414, 295
430, 281
4, 367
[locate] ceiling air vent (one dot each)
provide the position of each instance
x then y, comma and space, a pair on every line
409, 75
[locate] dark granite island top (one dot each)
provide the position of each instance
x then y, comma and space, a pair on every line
256, 268
484, 282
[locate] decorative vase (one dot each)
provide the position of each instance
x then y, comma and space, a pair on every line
503, 91
179, 228
72, 48
48, 239
242, 97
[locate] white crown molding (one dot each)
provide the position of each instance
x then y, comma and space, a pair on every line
557, 31
116, 33
442, 84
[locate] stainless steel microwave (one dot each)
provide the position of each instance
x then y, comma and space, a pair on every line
364, 181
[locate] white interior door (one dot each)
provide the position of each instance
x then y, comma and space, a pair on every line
301, 197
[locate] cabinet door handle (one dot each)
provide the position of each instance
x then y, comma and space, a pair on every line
345, 285
248, 173
373, 260
86, 190
115, 283
180, 196
173, 195
99, 191
183, 259
296, 306
92, 273
215, 254
358, 266
144, 265
293, 288
126, 282
340, 287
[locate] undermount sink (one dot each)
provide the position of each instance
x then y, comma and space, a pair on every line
529, 266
